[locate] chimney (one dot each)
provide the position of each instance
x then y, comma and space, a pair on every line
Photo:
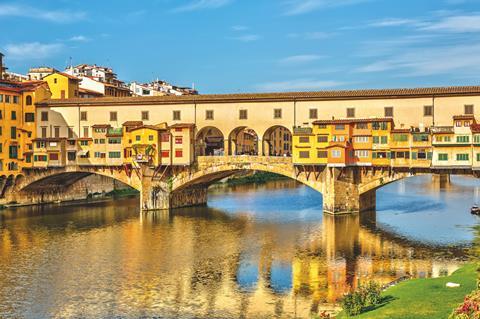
1, 66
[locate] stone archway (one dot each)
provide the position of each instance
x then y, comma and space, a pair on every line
243, 141
277, 141
209, 142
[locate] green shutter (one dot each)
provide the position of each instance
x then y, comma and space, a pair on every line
429, 155
414, 155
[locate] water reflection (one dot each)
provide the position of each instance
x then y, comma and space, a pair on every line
256, 252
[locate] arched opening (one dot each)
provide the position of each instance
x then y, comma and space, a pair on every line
243, 141
28, 100
209, 142
277, 141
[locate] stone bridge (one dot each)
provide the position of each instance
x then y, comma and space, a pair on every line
344, 189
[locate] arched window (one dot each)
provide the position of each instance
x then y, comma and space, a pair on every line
29, 100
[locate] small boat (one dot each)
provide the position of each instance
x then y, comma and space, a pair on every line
475, 210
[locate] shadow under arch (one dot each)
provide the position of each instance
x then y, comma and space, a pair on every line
277, 141
209, 141
243, 140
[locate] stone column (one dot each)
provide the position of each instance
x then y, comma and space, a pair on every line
192, 196
341, 192
226, 147
156, 197
441, 181
153, 197
260, 147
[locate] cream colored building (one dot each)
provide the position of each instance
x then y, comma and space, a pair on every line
421, 107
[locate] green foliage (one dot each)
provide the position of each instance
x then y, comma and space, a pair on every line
365, 296
256, 178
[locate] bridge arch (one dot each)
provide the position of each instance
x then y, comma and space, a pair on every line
277, 141
209, 141
243, 140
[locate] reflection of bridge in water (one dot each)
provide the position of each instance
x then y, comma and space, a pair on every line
205, 263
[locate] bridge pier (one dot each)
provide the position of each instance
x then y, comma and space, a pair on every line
158, 197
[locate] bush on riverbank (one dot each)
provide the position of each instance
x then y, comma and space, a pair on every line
423, 298
361, 299
469, 309
255, 178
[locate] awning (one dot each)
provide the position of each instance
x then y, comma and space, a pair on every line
82, 153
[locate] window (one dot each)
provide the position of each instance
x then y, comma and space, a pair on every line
304, 139
389, 111
84, 143
1, 148
70, 132
1, 98
15, 99
28, 100
53, 156
13, 151
361, 139
44, 116
350, 112
336, 153
361, 126
476, 138
376, 140
468, 109
313, 114
85, 131
338, 138
339, 127
209, 114
463, 139
114, 154
462, 157
322, 154
478, 157
165, 137
138, 138
44, 132
400, 137
458, 123
420, 137
466, 124
322, 138
145, 116
150, 137
13, 133
277, 113
40, 158
384, 140
178, 153
443, 157
304, 154
55, 81
113, 116
243, 114
177, 116
57, 131
29, 117
361, 154
114, 140
427, 110
14, 115
71, 156
7, 98
83, 116
380, 126
165, 154
178, 140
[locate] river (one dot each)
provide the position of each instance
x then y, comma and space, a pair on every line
256, 251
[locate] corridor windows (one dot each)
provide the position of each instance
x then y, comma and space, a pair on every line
350, 112
468, 109
336, 153
427, 110
13, 133
145, 116
388, 111
44, 116
277, 113
57, 131
322, 154
304, 154
304, 139
209, 114
243, 115
313, 114
44, 132
361, 153
322, 139
113, 116
14, 115
29, 117
443, 157
361, 139
177, 116
85, 131
83, 116
462, 157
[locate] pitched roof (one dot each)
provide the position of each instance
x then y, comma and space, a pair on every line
464, 117
287, 96
353, 121
133, 123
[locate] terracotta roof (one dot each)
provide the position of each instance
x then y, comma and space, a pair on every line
464, 117
82, 90
71, 77
49, 139
182, 125
475, 128
133, 123
353, 121
401, 130
151, 127
288, 96
101, 126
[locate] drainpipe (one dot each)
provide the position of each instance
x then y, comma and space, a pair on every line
433, 109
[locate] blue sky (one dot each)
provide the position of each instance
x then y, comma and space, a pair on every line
230, 46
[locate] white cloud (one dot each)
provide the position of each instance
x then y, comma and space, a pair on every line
247, 38
297, 85
59, 16
202, 4
239, 28
296, 7
395, 22
32, 50
301, 59
456, 24
79, 38
426, 61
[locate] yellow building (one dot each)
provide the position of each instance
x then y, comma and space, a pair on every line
62, 85
17, 123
